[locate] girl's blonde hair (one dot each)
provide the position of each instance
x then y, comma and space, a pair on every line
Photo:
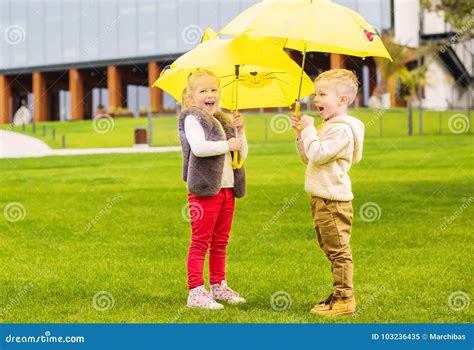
191, 85
345, 82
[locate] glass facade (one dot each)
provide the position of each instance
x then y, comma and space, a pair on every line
55, 35
44, 33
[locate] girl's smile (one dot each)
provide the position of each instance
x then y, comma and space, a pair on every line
205, 94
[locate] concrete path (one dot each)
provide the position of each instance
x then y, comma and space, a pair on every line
16, 145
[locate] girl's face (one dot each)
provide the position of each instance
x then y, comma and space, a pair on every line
205, 94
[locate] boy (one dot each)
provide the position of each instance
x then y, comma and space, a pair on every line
329, 152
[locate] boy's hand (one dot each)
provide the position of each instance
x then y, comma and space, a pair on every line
238, 123
306, 121
235, 144
295, 122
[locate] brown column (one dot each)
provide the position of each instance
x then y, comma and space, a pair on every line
5, 95
156, 94
76, 91
114, 85
337, 61
40, 96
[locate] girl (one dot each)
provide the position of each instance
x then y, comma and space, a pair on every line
207, 138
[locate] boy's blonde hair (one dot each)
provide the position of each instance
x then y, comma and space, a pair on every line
191, 85
344, 81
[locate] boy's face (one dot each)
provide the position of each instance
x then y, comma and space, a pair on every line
205, 94
327, 100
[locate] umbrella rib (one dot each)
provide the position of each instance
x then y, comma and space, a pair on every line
227, 75
279, 79
226, 85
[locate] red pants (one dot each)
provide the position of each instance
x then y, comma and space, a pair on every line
211, 221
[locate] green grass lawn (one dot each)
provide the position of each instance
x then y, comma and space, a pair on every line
114, 223
269, 127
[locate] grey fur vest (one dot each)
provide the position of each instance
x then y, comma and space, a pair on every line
203, 175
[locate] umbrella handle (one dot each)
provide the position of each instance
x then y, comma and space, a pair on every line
237, 162
297, 114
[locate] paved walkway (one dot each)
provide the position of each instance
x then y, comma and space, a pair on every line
15, 145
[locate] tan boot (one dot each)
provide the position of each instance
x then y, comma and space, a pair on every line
333, 306
323, 304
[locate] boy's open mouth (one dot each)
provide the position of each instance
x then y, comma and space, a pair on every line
210, 104
320, 109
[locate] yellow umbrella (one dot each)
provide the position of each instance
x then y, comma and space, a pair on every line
317, 25
253, 74
310, 25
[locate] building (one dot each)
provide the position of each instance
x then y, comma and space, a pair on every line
73, 59
450, 69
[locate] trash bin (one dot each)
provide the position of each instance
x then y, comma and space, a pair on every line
140, 136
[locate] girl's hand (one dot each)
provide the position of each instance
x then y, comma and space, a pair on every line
238, 123
235, 144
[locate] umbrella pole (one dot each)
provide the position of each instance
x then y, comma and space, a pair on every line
237, 74
237, 162
297, 102
233, 95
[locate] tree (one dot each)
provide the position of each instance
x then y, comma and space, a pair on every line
459, 13
410, 80
402, 55
398, 72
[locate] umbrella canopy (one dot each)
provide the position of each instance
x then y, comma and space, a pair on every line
253, 73
310, 25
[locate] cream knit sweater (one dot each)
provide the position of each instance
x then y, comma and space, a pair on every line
329, 153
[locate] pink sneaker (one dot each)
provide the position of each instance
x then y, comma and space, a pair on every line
221, 292
200, 298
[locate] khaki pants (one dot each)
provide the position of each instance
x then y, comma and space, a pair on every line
333, 224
